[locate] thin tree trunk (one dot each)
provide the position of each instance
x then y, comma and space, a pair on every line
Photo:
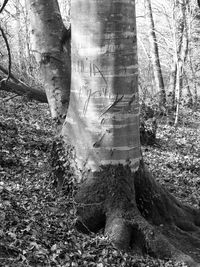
195, 100
20, 43
178, 30
155, 54
172, 85
178, 91
30, 66
189, 96
181, 56
173, 76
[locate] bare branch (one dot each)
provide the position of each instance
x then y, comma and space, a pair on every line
3, 6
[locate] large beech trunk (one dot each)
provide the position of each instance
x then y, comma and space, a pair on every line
116, 191
103, 116
118, 194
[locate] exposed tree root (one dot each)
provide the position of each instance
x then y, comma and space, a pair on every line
139, 215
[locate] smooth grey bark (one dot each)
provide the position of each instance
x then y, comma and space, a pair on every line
117, 193
46, 34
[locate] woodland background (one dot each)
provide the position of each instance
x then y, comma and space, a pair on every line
36, 221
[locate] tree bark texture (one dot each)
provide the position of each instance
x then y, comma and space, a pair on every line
154, 53
195, 98
181, 53
172, 85
117, 193
46, 33
103, 116
20, 43
181, 37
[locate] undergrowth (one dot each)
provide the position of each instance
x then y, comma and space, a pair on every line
37, 222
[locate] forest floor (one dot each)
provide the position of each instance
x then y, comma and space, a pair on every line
37, 223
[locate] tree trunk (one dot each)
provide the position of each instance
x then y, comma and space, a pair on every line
29, 63
195, 81
179, 78
172, 85
189, 96
182, 52
103, 116
20, 43
195, 98
102, 126
155, 54
46, 29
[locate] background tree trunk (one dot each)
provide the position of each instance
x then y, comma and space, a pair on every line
182, 52
195, 98
172, 85
154, 53
19, 37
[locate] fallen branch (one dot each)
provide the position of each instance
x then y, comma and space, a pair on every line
22, 89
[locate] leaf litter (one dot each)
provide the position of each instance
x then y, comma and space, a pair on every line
37, 222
